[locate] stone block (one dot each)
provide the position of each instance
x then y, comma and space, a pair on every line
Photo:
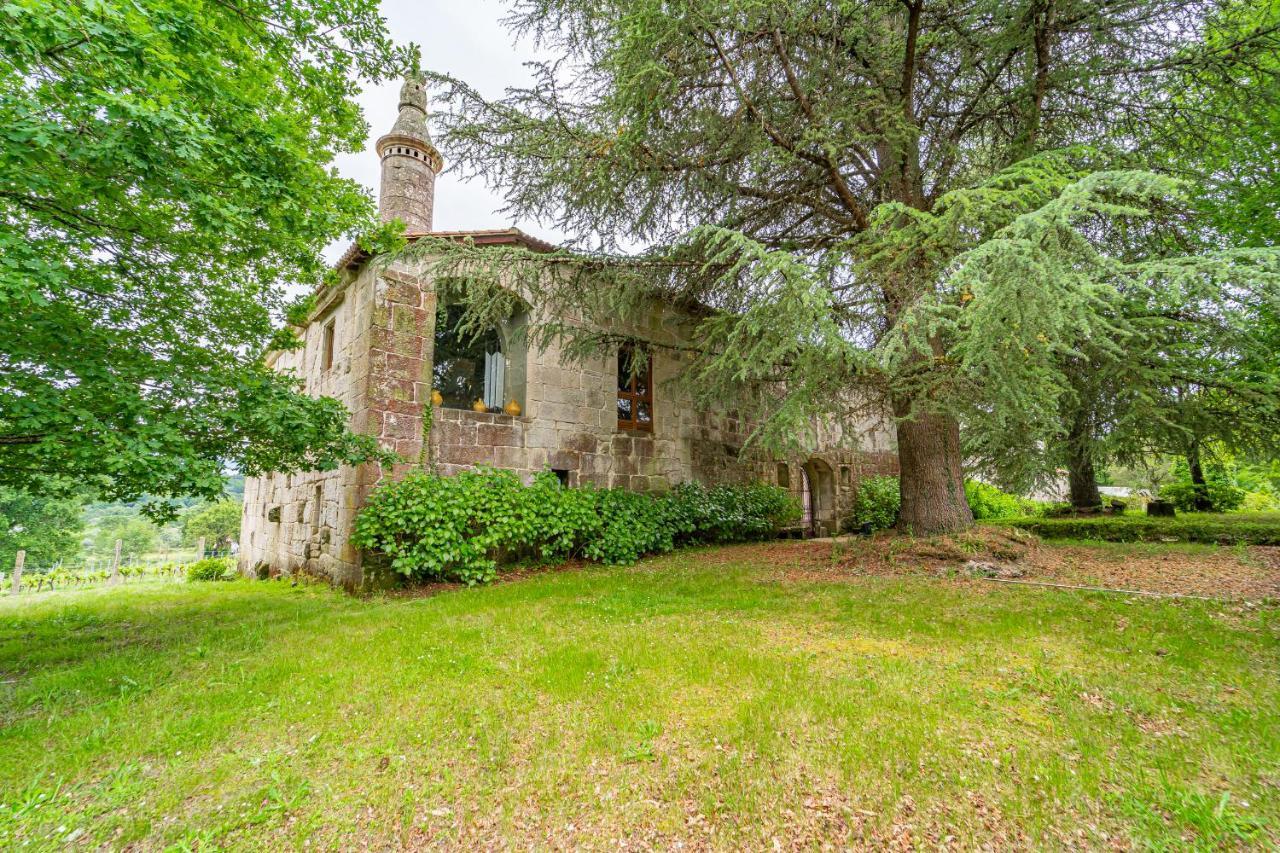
400, 366
513, 458
406, 320
562, 459
401, 426
495, 435
386, 340
404, 292
466, 455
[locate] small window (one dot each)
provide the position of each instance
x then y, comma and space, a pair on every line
784, 475
326, 343
635, 390
316, 503
562, 474
845, 478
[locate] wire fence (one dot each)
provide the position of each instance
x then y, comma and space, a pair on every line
23, 577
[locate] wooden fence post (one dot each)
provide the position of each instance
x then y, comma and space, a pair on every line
200, 549
115, 564
18, 560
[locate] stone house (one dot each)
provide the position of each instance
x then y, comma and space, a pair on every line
384, 343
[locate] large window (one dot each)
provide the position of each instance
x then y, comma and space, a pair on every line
472, 370
635, 390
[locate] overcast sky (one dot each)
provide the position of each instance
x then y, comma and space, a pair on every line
464, 39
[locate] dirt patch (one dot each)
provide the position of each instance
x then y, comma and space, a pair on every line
1252, 574
1217, 572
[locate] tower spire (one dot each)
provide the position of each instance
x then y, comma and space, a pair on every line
410, 162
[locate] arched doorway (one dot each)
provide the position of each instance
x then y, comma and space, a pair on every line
806, 504
818, 498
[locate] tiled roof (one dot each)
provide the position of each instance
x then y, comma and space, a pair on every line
354, 255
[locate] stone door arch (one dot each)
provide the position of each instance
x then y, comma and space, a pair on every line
819, 498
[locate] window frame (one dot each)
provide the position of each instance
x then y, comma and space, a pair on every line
635, 397
328, 343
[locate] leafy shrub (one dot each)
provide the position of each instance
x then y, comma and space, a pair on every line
1259, 529
446, 527
459, 528
1259, 502
987, 501
632, 525
1223, 496
878, 502
211, 569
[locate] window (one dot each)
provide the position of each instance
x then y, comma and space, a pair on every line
635, 390
475, 369
562, 474
784, 475
326, 346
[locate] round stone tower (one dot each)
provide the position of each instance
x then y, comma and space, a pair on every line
409, 163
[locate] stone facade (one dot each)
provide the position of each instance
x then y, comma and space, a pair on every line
369, 343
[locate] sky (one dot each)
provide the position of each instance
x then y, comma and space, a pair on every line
467, 40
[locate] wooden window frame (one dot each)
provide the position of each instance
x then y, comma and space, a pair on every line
636, 398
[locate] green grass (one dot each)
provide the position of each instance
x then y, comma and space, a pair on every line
698, 697
1236, 528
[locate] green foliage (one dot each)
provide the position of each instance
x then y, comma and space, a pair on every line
217, 522
212, 569
987, 501
896, 202
1234, 529
137, 536
48, 529
1259, 502
167, 175
1222, 494
878, 501
461, 527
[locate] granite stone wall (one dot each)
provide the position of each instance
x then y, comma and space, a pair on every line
384, 323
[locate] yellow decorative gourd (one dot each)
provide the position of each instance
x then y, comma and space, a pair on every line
512, 408
479, 406
437, 399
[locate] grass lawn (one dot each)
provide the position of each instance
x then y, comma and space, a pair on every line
709, 697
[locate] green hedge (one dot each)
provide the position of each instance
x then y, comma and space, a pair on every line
1206, 528
987, 501
461, 527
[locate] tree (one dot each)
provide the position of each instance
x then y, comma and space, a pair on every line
218, 522
1199, 372
137, 536
1180, 354
166, 177
817, 174
48, 529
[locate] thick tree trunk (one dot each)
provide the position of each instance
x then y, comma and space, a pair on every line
1083, 482
1082, 477
932, 478
1200, 487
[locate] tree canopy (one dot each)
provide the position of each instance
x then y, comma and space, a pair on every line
858, 191
164, 178
217, 522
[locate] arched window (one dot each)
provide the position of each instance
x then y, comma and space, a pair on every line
479, 370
